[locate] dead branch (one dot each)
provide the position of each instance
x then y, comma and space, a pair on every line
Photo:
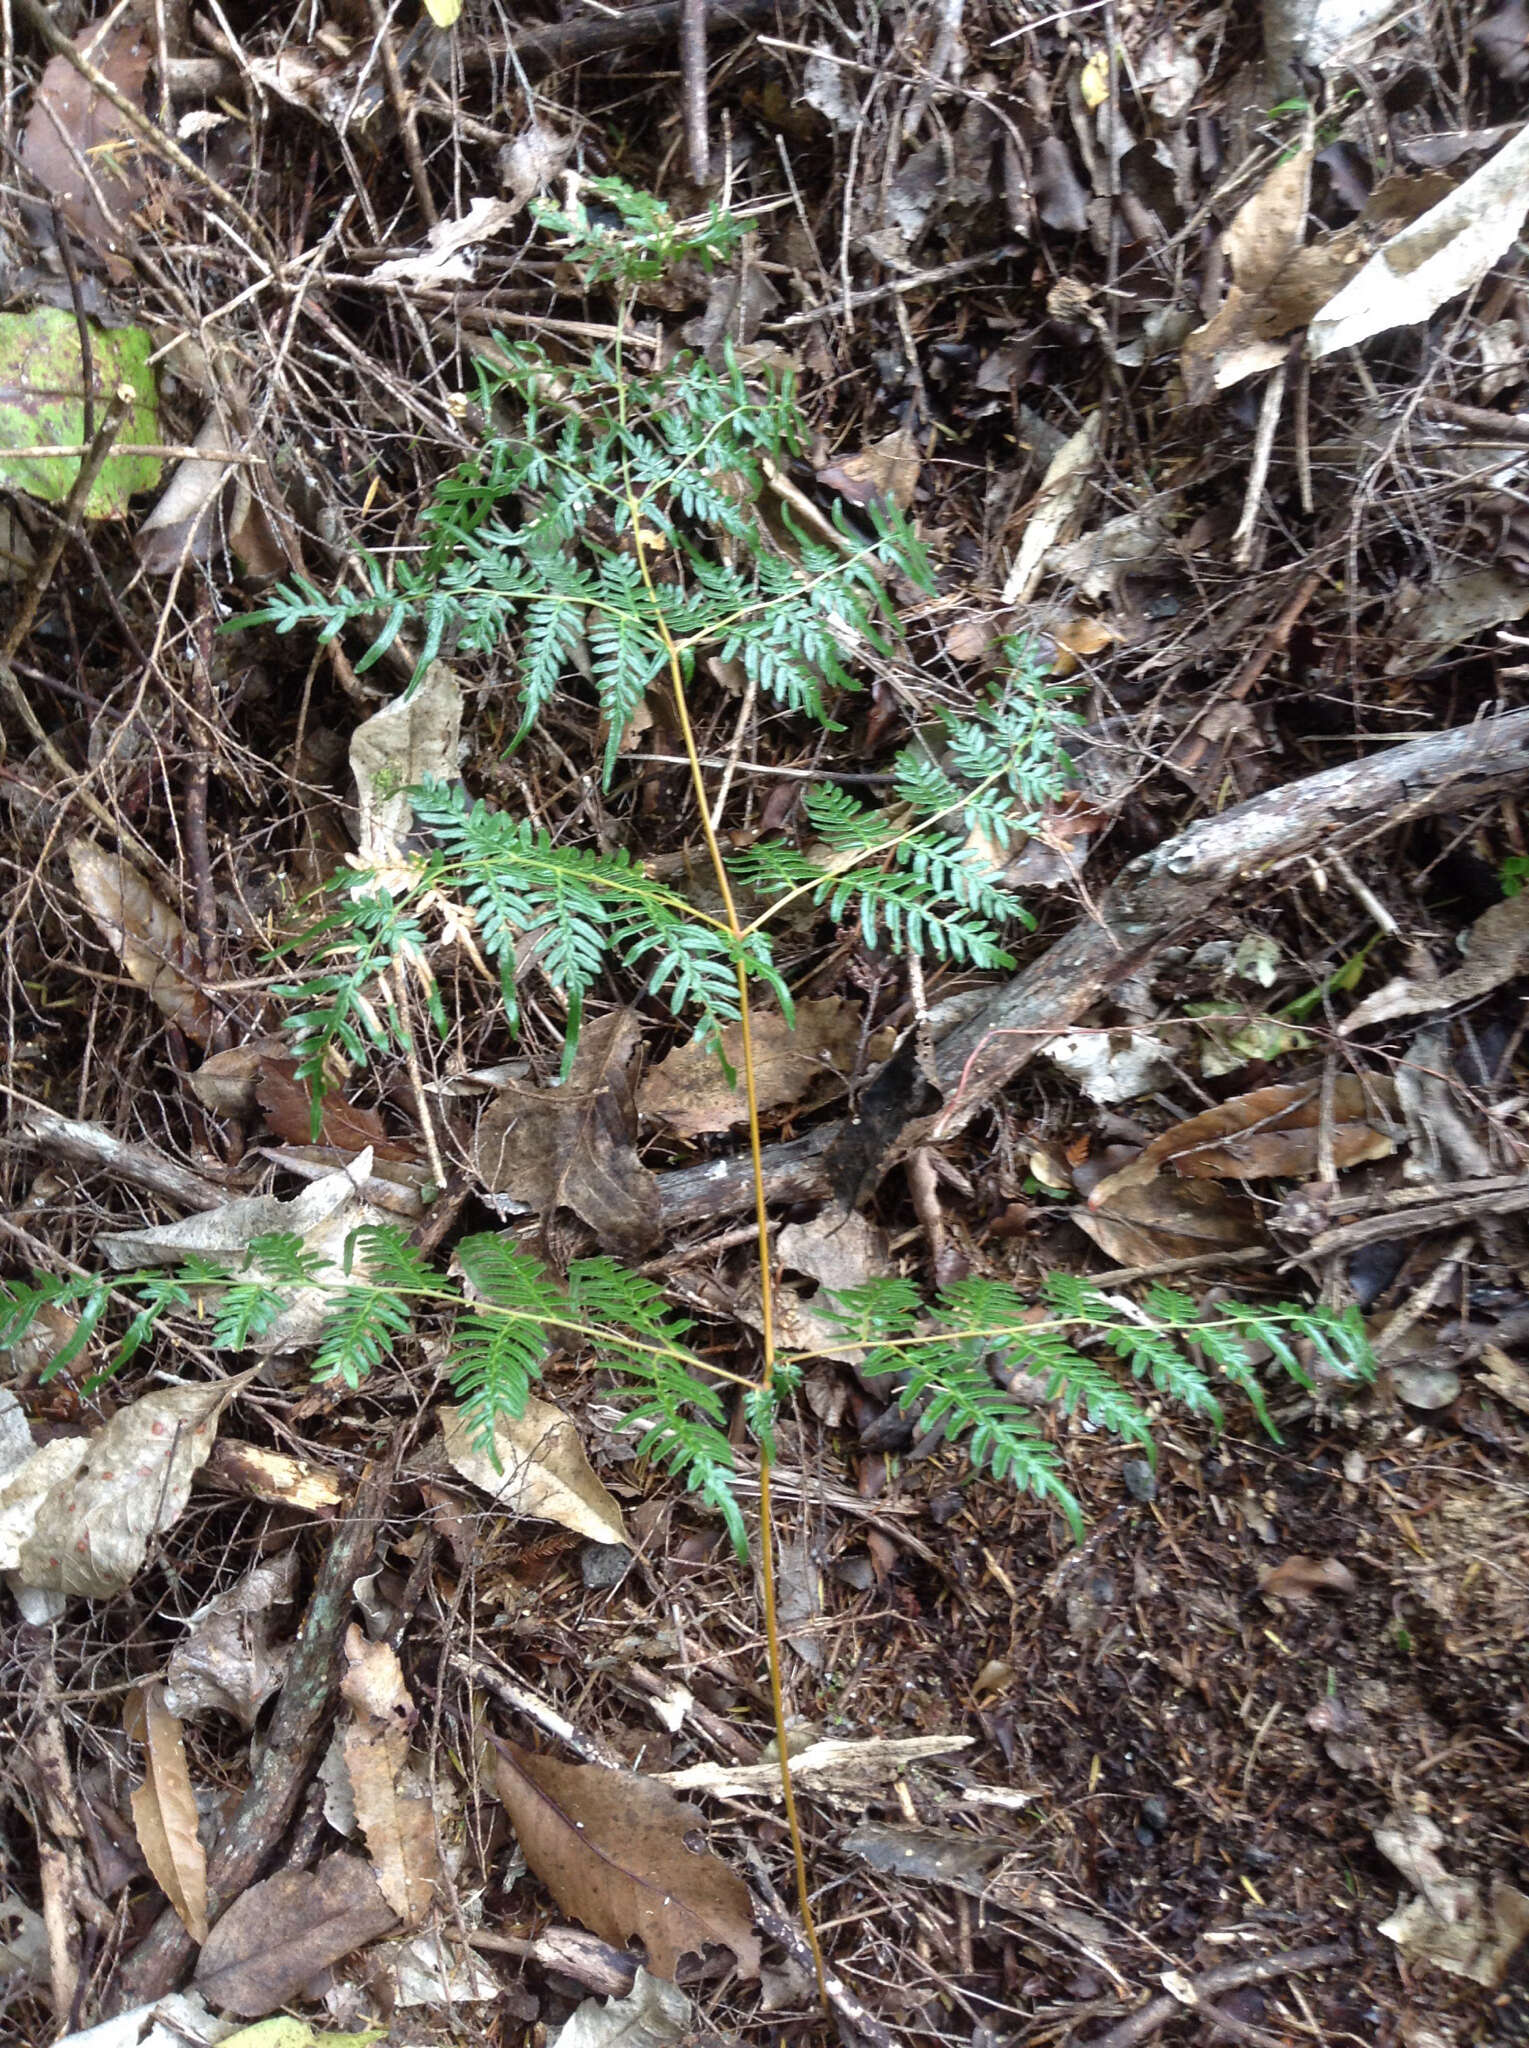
1163, 893
93, 1147
563, 43
291, 1746
1141, 2026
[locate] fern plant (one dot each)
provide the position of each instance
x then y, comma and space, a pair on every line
508, 1313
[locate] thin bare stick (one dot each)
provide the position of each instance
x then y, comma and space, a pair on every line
1258, 473
1153, 2017
693, 74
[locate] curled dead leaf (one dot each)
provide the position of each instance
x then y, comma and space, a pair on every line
147, 936
1300, 1578
164, 1809
1267, 1132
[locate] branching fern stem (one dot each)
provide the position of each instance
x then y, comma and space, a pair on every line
773, 1653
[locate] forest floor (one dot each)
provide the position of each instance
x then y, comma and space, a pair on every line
1098, 301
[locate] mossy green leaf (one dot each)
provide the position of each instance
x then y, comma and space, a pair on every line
42, 386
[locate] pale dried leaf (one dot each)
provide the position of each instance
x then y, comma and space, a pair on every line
829, 1766
150, 940
416, 738
226, 1664
838, 1248
655, 2014
1057, 505
397, 1822
1436, 258
179, 526
1497, 951
27, 1485
537, 1468
325, 1215
690, 1091
532, 162
125, 1485
164, 1809
445, 257
610, 1847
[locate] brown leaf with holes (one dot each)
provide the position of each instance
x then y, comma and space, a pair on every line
276, 1937
1266, 1133
610, 1847
81, 150
147, 936
574, 1147
1168, 1219
164, 1809
690, 1091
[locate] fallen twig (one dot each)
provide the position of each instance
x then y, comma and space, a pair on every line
1155, 2015
282, 1767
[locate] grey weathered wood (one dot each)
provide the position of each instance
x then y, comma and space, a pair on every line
1162, 894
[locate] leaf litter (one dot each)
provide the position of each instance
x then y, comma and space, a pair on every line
1215, 399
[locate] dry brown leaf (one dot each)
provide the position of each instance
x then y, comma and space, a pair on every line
288, 1110
888, 469
152, 943
1268, 1132
1263, 236
125, 1485
397, 1822
164, 1809
263, 1075
574, 1147
1299, 1578
225, 1082
542, 1471
1169, 1219
72, 128
1497, 951
280, 1934
610, 1847
226, 1664
689, 1089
